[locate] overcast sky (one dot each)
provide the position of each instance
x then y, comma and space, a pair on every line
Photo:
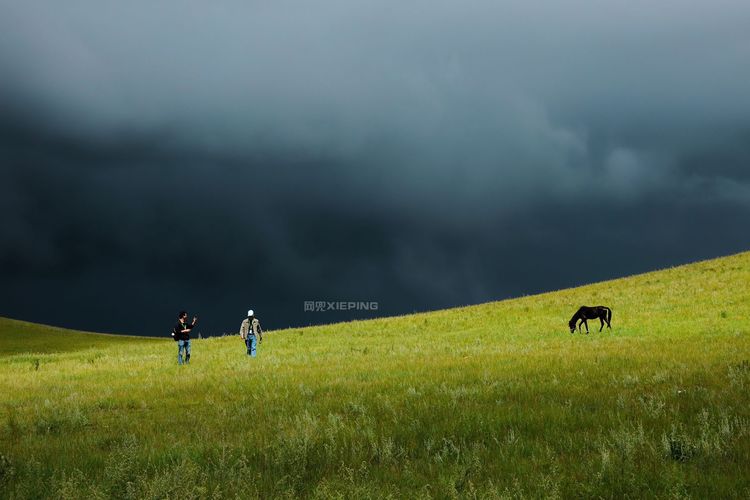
216, 156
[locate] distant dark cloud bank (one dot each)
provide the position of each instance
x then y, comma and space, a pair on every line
226, 155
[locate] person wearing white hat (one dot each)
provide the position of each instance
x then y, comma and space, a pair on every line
251, 333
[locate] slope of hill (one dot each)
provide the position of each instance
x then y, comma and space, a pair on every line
493, 401
18, 337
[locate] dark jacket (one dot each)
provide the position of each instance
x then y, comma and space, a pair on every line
177, 332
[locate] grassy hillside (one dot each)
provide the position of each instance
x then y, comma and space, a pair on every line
491, 401
22, 337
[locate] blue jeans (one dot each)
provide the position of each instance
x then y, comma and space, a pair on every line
251, 344
183, 344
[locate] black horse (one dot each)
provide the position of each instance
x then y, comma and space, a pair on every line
585, 313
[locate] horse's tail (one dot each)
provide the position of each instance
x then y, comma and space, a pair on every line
609, 315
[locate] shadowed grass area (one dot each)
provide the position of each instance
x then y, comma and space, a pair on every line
17, 337
491, 401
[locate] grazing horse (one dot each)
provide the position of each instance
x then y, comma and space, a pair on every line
585, 313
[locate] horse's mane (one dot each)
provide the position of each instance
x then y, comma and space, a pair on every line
575, 316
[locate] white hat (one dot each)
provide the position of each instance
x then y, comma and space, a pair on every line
250, 312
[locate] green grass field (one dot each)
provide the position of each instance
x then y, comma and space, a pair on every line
497, 400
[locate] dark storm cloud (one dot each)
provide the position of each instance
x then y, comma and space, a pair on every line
155, 156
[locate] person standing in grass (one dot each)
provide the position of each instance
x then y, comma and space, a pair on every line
251, 333
181, 334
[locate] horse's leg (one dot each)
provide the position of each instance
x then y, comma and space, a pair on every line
601, 323
585, 322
